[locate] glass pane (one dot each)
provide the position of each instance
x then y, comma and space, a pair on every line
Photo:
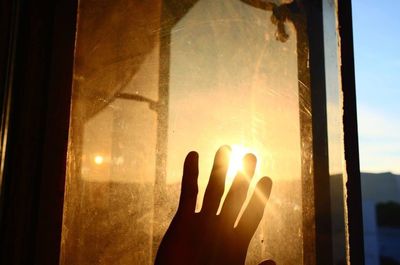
231, 81
154, 80
334, 109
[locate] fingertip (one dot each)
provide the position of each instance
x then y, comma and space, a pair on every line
225, 147
222, 156
192, 155
249, 163
224, 150
265, 186
189, 187
250, 158
191, 162
265, 181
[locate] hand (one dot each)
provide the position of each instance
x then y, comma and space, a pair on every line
206, 238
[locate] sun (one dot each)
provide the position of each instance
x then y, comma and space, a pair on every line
236, 161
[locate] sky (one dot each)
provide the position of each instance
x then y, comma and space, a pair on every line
376, 26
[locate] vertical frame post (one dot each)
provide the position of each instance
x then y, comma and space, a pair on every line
354, 201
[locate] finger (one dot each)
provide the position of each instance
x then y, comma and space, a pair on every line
267, 262
187, 201
254, 211
238, 191
216, 184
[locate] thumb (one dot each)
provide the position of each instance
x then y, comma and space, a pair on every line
267, 262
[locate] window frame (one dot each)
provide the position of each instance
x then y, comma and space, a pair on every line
40, 75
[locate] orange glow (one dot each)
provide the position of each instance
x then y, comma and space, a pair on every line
236, 161
98, 159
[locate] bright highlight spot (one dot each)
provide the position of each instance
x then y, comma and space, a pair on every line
235, 164
236, 161
98, 160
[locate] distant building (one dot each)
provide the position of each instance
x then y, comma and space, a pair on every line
380, 242
371, 243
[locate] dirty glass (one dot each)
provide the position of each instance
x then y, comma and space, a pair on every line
334, 108
156, 79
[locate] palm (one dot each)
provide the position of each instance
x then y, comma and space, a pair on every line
206, 238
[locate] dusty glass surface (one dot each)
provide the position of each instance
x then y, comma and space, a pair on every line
334, 99
154, 80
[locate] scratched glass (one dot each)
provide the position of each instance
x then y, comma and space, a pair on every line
154, 80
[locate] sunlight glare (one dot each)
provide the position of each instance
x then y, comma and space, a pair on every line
98, 159
235, 165
236, 161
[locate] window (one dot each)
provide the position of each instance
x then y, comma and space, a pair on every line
154, 80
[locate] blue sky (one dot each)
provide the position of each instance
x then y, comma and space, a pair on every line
376, 26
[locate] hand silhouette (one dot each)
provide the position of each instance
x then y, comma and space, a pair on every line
206, 238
